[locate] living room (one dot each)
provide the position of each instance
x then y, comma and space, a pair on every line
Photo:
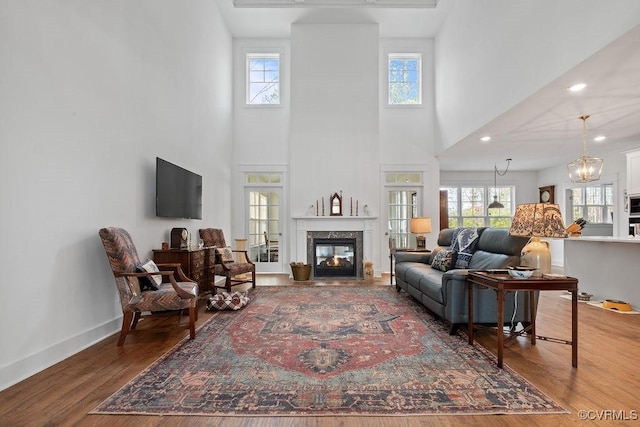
94, 91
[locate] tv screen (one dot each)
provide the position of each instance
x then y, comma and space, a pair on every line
178, 191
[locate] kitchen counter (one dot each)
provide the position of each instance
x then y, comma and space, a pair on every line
607, 267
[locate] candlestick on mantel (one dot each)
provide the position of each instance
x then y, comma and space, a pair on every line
316, 207
350, 206
322, 205
356, 208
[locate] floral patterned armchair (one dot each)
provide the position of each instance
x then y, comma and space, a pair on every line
225, 264
125, 265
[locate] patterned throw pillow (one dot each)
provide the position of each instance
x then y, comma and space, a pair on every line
465, 243
226, 254
444, 260
149, 283
227, 301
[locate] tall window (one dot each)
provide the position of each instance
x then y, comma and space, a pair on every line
593, 203
263, 79
405, 79
467, 206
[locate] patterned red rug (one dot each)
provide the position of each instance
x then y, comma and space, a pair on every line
335, 350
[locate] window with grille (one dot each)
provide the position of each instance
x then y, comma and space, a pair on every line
593, 203
405, 79
467, 206
263, 79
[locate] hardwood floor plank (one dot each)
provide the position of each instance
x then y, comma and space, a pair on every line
607, 377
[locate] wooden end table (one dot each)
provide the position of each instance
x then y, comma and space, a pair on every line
503, 282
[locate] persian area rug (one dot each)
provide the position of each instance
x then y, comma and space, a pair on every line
332, 350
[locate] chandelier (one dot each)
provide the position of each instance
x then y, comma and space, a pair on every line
585, 168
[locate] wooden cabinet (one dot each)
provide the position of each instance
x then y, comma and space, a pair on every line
192, 262
633, 172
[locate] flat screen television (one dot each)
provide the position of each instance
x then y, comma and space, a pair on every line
178, 191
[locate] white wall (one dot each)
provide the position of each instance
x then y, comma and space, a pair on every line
92, 92
492, 54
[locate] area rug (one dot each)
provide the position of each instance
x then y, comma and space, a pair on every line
330, 350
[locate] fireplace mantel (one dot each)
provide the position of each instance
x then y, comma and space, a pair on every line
304, 224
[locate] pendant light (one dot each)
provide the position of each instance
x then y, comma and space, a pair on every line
496, 204
585, 168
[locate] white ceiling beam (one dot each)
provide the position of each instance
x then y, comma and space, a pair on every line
336, 3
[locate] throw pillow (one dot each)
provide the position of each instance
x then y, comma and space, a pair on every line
444, 260
226, 254
227, 301
465, 243
149, 283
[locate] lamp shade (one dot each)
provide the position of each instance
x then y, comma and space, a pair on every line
421, 225
539, 220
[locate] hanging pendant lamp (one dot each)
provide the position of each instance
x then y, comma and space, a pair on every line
496, 204
585, 168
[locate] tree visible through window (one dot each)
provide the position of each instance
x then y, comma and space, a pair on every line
263, 79
593, 203
405, 81
467, 206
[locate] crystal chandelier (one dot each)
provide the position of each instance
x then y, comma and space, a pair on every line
585, 168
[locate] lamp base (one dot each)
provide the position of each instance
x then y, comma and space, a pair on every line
536, 254
421, 242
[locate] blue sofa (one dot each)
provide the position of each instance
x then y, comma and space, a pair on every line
445, 292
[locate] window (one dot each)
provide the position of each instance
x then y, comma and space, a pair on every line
405, 79
263, 79
467, 206
593, 203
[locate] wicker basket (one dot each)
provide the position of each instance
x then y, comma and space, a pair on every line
301, 272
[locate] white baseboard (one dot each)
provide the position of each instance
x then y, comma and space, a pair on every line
24, 368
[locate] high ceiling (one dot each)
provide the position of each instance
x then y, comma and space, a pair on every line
542, 131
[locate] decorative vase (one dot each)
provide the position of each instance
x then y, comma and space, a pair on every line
536, 254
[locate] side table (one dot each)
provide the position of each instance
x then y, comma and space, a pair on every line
503, 282
392, 254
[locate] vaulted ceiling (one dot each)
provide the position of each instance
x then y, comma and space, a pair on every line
542, 131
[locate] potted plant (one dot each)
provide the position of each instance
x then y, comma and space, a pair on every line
300, 270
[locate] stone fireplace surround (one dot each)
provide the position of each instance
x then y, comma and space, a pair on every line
358, 227
311, 235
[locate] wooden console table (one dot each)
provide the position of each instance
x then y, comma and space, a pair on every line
503, 282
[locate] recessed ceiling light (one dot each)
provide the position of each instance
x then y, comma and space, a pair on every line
599, 138
577, 87
485, 138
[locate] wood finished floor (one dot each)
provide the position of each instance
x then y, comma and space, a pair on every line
607, 377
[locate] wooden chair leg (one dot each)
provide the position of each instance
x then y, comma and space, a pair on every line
136, 317
126, 322
192, 322
253, 278
228, 283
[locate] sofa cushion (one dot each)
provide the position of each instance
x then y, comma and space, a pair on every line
426, 279
444, 260
465, 241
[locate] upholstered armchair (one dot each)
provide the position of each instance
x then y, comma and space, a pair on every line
225, 264
128, 272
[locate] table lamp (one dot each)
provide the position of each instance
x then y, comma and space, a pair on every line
419, 226
537, 220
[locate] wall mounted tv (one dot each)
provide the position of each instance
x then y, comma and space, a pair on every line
178, 191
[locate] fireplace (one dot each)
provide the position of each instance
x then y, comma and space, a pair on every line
334, 257
335, 253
